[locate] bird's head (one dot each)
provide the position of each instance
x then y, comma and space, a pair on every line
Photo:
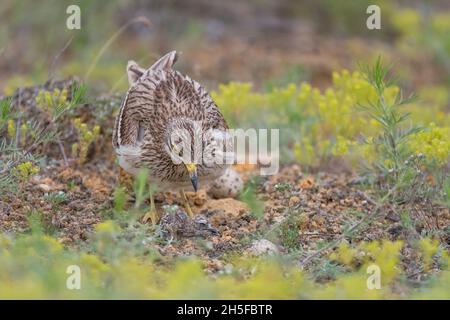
184, 145
193, 148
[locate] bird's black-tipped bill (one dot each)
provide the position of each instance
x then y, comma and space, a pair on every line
194, 181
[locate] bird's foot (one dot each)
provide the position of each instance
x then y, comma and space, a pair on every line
152, 216
189, 210
187, 206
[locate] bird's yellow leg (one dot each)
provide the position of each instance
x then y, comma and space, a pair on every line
152, 214
186, 204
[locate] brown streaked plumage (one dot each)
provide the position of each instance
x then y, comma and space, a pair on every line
161, 111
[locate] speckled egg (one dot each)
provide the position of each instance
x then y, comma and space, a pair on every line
229, 185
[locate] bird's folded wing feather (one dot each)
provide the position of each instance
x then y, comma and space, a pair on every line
159, 96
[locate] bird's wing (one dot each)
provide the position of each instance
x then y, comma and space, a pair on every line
138, 108
189, 93
159, 95
128, 127
166, 62
212, 114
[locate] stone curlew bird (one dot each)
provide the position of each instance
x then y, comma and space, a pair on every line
169, 124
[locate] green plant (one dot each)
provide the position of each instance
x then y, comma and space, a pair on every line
289, 231
393, 158
25, 170
143, 190
250, 197
56, 199
433, 143
51, 101
446, 200
86, 137
56, 103
120, 262
18, 156
283, 186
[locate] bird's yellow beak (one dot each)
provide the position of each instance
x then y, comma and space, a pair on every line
192, 170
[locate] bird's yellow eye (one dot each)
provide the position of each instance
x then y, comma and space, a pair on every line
177, 151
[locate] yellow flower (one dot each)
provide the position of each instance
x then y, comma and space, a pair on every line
341, 146
433, 143
23, 133
107, 227
86, 137
429, 248
11, 129
24, 170
441, 22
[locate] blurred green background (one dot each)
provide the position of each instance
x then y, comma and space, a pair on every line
265, 42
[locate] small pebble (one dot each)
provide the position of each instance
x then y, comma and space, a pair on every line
44, 187
293, 201
263, 246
